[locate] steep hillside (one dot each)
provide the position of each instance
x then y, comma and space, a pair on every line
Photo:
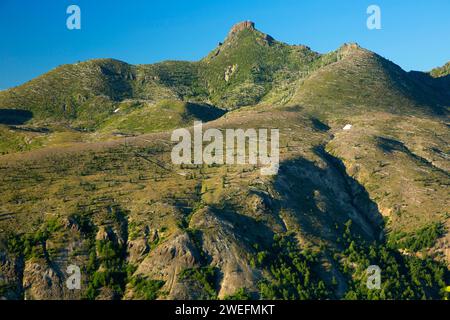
360, 80
81, 90
170, 79
249, 64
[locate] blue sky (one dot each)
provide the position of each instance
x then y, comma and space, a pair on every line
34, 37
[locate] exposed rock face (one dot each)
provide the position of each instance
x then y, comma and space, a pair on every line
137, 249
227, 250
230, 71
40, 281
103, 234
11, 269
351, 48
167, 260
242, 26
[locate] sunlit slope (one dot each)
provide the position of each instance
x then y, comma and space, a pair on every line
70, 91
249, 64
361, 81
164, 115
441, 71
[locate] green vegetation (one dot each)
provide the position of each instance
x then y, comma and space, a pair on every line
241, 294
33, 245
249, 64
109, 262
293, 272
165, 115
403, 277
204, 277
381, 85
67, 92
423, 238
441, 71
146, 289
15, 141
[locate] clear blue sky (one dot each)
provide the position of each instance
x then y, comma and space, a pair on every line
34, 37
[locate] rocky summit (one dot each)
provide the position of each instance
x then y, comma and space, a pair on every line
92, 207
242, 26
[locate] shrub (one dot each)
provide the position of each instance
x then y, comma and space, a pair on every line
146, 288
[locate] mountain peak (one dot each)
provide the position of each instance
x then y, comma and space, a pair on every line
350, 47
238, 27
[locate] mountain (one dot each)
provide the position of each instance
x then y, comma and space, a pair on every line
87, 178
250, 64
239, 72
248, 68
71, 90
360, 79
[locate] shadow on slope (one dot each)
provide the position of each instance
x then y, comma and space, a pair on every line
436, 88
15, 116
204, 112
390, 146
321, 197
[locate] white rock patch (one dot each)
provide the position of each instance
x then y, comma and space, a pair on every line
347, 127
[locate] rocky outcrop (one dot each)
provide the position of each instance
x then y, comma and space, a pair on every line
167, 261
42, 282
242, 26
11, 269
230, 71
227, 250
137, 249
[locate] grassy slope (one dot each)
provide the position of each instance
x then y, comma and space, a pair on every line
163, 116
71, 91
360, 80
87, 93
256, 63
